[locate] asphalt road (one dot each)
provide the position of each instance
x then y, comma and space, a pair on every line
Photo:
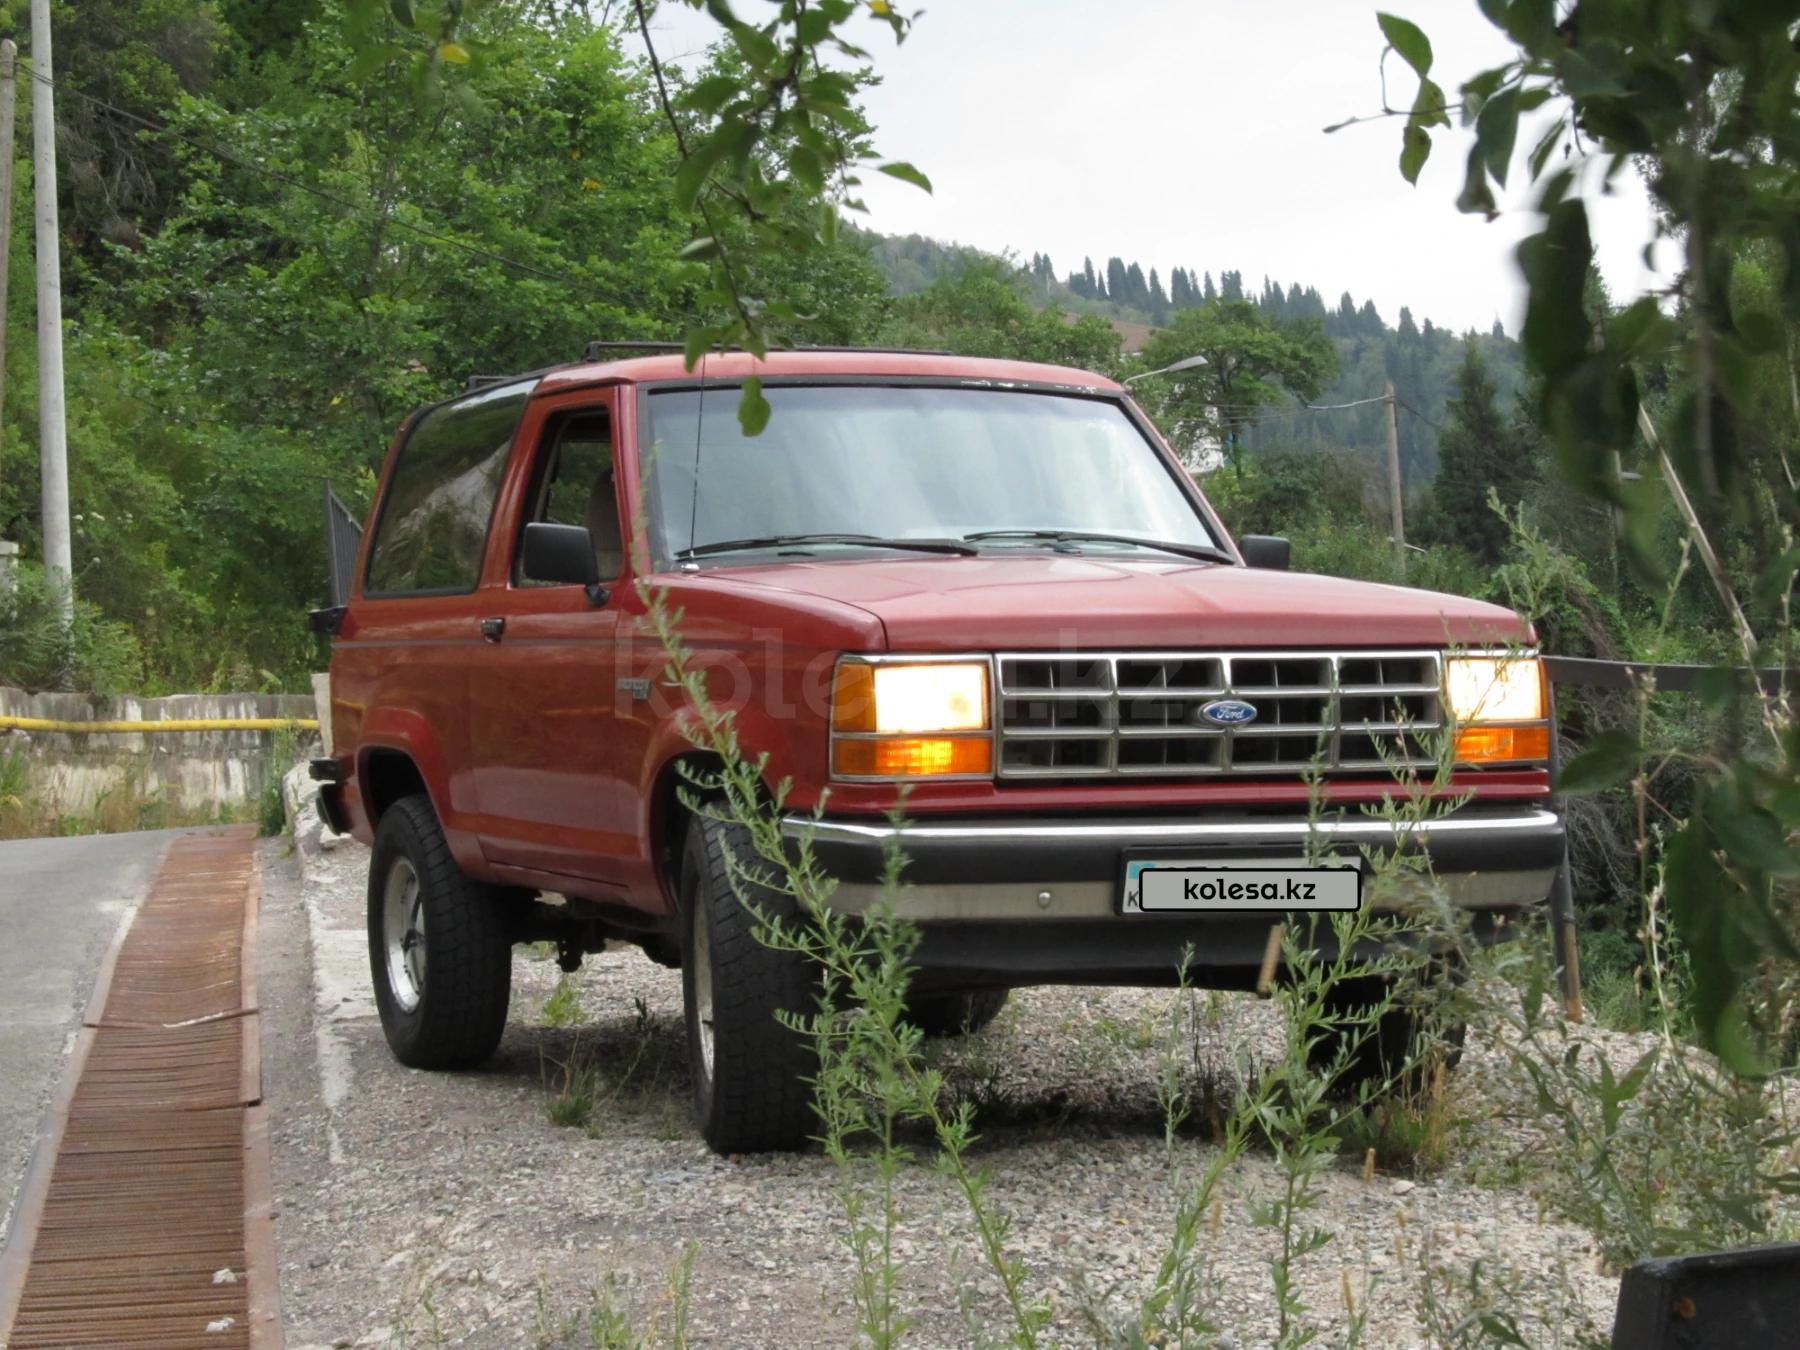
61, 901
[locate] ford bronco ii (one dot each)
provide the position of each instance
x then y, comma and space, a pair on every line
988, 581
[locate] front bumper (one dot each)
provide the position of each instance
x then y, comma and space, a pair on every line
1030, 900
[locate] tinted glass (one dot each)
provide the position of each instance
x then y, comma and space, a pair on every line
434, 520
578, 487
903, 462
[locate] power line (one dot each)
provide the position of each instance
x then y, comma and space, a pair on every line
1421, 416
1339, 407
345, 203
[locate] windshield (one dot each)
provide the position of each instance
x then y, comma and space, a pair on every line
896, 462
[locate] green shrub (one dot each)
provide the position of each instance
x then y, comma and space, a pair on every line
90, 653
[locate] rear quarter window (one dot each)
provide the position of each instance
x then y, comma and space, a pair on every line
434, 519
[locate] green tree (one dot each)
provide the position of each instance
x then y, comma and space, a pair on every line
1251, 362
983, 310
1479, 452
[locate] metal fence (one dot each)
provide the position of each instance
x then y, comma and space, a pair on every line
343, 539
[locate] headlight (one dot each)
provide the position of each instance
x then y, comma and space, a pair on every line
911, 719
1500, 706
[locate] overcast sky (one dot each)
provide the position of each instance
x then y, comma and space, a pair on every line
1188, 133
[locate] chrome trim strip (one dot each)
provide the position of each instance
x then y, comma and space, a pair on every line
1024, 903
1131, 832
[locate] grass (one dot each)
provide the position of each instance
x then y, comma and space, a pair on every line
583, 1083
571, 1106
608, 1323
1414, 1131
563, 1007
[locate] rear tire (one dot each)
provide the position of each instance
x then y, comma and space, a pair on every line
440, 947
751, 1088
963, 1014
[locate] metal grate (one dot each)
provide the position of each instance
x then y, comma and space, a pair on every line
148, 1225
1140, 714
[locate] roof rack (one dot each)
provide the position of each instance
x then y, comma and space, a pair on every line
596, 350
599, 350
477, 382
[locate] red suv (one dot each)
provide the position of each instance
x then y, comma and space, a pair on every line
988, 581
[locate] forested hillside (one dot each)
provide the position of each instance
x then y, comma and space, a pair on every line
1420, 357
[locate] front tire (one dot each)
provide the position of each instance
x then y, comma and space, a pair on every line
440, 949
751, 1072
1402, 1052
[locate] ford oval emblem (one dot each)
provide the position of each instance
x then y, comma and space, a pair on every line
1229, 712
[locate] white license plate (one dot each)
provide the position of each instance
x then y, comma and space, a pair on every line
1202, 886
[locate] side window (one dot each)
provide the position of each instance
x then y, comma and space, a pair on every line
576, 486
440, 497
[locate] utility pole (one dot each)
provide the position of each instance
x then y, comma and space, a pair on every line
9, 89
1393, 449
8, 101
53, 449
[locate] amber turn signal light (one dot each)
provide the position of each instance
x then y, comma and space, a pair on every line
913, 757
853, 697
1502, 745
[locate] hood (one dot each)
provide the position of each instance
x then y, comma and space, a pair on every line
1047, 601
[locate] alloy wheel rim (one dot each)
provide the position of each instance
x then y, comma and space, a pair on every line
703, 994
403, 934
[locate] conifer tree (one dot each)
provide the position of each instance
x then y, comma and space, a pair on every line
1137, 290
1478, 450
1118, 286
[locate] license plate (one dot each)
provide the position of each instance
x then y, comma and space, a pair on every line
1202, 886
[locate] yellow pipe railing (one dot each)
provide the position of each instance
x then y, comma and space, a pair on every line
161, 728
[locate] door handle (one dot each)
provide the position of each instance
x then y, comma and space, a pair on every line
491, 629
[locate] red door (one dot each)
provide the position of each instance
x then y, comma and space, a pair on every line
555, 779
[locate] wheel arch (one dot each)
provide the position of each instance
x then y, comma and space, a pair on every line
387, 774
669, 816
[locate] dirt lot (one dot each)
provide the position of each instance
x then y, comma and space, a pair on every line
428, 1209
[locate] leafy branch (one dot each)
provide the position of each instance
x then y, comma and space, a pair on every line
1702, 100
771, 142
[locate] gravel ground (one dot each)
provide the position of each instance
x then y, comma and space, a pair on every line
447, 1209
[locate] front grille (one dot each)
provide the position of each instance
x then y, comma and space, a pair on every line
1138, 714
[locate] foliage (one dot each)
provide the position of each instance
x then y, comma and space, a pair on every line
118, 63
1250, 362
770, 147
1704, 99
1658, 1150
39, 651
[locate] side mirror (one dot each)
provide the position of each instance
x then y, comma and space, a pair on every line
1265, 550
563, 554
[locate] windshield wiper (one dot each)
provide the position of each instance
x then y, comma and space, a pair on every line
1206, 551
786, 540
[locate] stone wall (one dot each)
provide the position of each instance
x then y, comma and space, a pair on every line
200, 769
